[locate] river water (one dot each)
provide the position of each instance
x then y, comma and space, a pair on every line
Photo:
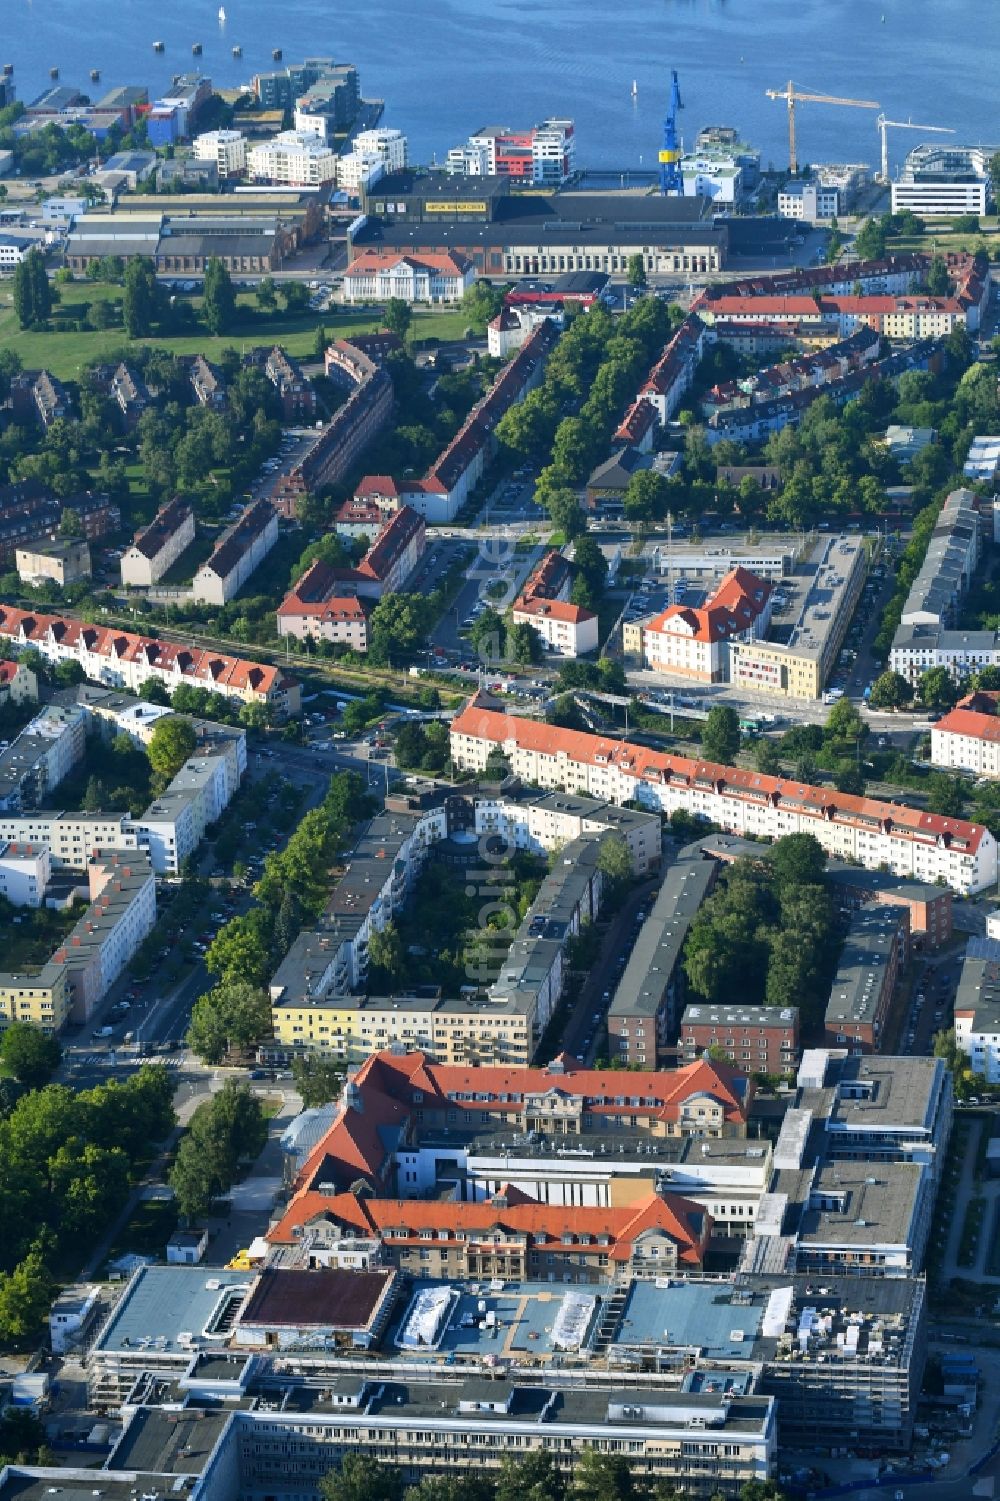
446, 67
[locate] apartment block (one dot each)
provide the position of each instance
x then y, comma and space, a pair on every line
41, 756
156, 547
60, 561
758, 1039
238, 553
864, 987
908, 841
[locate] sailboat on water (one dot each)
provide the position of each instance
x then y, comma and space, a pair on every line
222, 13
635, 89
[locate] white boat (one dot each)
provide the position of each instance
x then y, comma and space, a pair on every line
222, 12
635, 89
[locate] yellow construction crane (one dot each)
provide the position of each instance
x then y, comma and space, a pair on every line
882, 124
797, 96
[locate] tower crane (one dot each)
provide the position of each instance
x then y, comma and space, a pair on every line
882, 125
797, 96
671, 178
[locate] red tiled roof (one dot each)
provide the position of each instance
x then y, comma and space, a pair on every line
731, 610
555, 609
969, 722
684, 1221
442, 263
213, 669
640, 762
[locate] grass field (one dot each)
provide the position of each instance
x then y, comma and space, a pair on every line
64, 354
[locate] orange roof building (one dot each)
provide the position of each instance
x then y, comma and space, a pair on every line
564, 628
968, 739
909, 841
121, 659
695, 641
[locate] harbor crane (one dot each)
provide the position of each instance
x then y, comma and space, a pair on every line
798, 96
671, 177
882, 125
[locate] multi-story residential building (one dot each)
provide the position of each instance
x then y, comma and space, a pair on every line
544, 604
968, 738
298, 158
237, 554
18, 684
386, 143
925, 637
25, 870
542, 154
30, 510
62, 561
156, 547
298, 398
128, 390
341, 442
318, 609
874, 953
670, 378
41, 756
226, 148
326, 605
694, 642
72, 839
943, 180
642, 1016
982, 461
449, 482
977, 1015
908, 841
86, 964
120, 659
758, 1039
377, 275
207, 384
929, 908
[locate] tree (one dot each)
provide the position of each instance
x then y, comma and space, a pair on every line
223, 1133
362, 1479
140, 297
522, 644
937, 689
890, 690
219, 298
944, 795
172, 742
843, 723
295, 296
602, 1477
398, 626
869, 242
536, 1477
317, 1079
614, 862
563, 506
230, 1017
767, 757
481, 303
31, 1056
397, 317
487, 636
720, 738
592, 569
240, 951
24, 296
70, 525
385, 957
797, 860
26, 1296
645, 495
267, 297
636, 271
938, 283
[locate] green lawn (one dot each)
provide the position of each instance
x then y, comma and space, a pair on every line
64, 354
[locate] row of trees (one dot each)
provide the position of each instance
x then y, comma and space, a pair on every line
570, 416
533, 1477
225, 1133
768, 933
65, 1164
292, 890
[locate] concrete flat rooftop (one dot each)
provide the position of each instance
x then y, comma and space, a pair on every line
163, 1302
701, 1315
524, 1313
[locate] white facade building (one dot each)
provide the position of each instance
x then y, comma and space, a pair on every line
158, 546
944, 180
905, 840
389, 145
239, 551
425, 277
967, 740
298, 158
24, 873
808, 200
226, 148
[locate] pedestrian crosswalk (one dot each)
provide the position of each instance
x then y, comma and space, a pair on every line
96, 1060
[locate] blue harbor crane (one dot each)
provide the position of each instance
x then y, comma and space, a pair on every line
671, 180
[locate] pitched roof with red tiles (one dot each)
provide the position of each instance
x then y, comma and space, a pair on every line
391, 543
740, 598
437, 263
970, 723
204, 667
643, 764
316, 595
686, 1223
8, 671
